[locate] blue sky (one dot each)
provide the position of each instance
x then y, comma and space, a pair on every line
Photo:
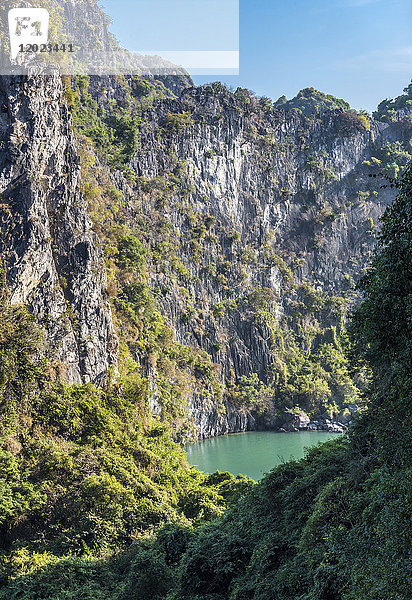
359, 50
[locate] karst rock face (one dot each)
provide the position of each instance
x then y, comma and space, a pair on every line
274, 182
252, 198
54, 262
267, 184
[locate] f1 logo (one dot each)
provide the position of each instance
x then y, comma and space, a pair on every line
27, 26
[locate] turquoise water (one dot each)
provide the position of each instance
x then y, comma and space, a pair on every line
253, 453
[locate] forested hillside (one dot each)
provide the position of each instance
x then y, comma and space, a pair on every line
179, 262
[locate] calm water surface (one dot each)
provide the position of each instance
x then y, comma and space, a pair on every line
253, 453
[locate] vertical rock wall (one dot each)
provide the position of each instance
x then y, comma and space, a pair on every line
53, 258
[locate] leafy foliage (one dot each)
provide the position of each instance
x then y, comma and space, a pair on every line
389, 158
176, 122
388, 110
114, 134
82, 470
310, 101
383, 326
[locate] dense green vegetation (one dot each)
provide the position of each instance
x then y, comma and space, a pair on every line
113, 131
390, 158
387, 110
310, 101
113, 134
310, 371
96, 502
84, 472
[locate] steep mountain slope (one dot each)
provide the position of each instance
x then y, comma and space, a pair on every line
53, 258
233, 233
54, 261
255, 224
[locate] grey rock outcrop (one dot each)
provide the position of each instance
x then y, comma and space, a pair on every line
54, 262
211, 420
266, 184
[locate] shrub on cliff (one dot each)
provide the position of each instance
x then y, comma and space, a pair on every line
176, 122
387, 110
310, 101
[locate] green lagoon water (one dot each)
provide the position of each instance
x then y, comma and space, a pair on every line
253, 453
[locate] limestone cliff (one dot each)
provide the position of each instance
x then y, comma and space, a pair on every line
233, 230
259, 205
250, 214
54, 262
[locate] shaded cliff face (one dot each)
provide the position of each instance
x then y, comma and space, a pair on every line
274, 178
54, 262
